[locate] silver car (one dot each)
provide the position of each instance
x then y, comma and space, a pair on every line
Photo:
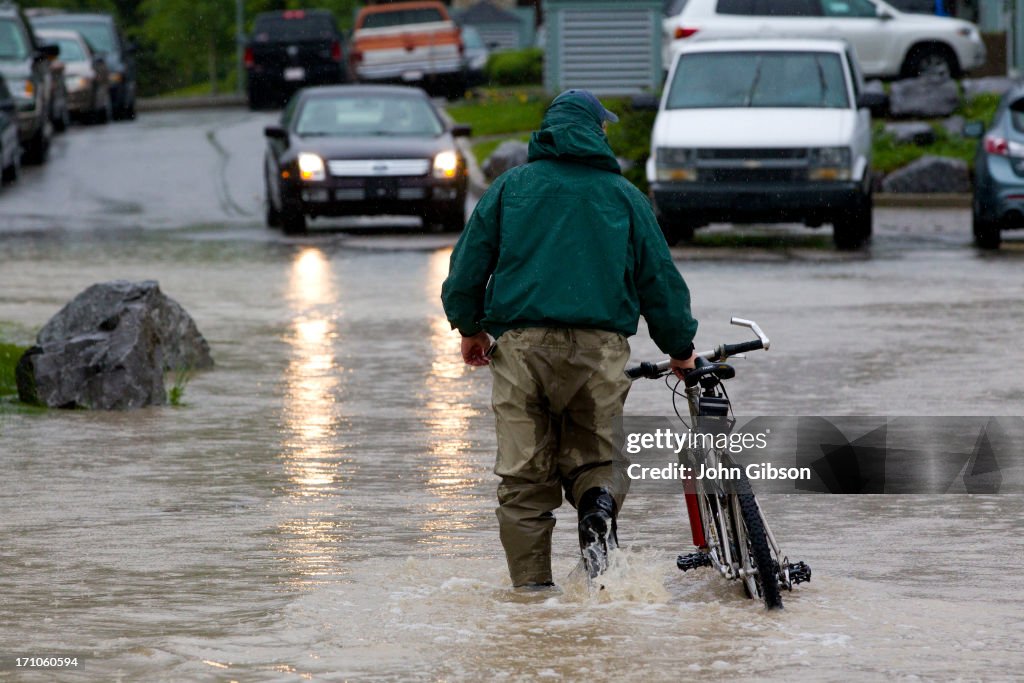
86, 75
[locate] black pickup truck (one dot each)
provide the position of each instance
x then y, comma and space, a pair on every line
292, 49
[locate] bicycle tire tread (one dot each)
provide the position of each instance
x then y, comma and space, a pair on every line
759, 547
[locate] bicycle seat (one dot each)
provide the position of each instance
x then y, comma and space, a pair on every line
709, 374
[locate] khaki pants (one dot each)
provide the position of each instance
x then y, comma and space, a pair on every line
557, 397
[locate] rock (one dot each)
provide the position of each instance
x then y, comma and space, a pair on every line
911, 132
926, 96
954, 125
109, 348
509, 154
994, 85
183, 347
930, 174
874, 86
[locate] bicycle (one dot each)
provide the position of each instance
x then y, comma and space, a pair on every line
728, 527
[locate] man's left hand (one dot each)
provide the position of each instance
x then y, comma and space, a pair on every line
680, 367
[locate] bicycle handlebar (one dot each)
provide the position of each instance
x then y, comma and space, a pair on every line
723, 352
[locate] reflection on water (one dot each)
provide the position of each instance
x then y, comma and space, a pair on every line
312, 443
311, 446
452, 472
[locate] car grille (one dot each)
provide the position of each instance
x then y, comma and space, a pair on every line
751, 175
378, 167
753, 153
751, 165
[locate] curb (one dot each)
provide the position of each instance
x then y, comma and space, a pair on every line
183, 103
937, 200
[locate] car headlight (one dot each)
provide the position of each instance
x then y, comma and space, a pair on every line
675, 164
116, 77
829, 163
76, 83
311, 167
22, 89
446, 164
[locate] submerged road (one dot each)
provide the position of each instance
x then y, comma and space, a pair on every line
322, 505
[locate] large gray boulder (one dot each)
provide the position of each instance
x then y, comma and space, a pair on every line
509, 154
925, 97
929, 174
911, 132
992, 85
109, 349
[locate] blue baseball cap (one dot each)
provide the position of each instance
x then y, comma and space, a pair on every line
590, 101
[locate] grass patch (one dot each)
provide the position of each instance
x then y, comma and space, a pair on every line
225, 86
889, 155
499, 112
9, 356
485, 149
176, 394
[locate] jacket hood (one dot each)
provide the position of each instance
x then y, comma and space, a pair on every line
571, 132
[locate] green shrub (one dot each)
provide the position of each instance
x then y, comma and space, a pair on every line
9, 356
630, 138
516, 67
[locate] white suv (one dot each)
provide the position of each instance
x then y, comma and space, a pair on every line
763, 131
888, 43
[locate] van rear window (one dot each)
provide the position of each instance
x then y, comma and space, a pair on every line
423, 15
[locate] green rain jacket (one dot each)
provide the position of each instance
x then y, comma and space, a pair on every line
566, 241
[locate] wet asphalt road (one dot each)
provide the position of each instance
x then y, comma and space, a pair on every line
322, 506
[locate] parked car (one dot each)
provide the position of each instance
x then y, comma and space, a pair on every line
999, 171
363, 150
754, 130
409, 42
476, 55
24, 63
291, 50
888, 43
10, 145
86, 77
101, 32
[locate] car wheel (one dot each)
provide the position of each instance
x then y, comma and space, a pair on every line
675, 228
931, 60
273, 215
13, 170
63, 120
986, 233
853, 230
39, 146
257, 99
293, 221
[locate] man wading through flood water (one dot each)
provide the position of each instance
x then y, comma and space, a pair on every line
558, 262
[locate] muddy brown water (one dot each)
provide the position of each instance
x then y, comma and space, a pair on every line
321, 508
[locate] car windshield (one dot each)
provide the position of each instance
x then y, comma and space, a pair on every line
293, 28
97, 33
359, 116
758, 79
12, 41
400, 17
70, 50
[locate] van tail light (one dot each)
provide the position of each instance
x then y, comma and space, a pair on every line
685, 32
336, 51
250, 61
294, 14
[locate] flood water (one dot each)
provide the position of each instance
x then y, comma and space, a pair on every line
321, 508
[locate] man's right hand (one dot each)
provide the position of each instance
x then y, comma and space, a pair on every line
680, 367
474, 349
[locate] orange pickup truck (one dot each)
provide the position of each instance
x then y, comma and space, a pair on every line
409, 42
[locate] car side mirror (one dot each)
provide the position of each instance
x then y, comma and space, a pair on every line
973, 129
49, 50
884, 14
645, 102
876, 102
460, 130
275, 133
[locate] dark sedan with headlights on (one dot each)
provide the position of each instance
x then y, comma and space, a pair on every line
357, 150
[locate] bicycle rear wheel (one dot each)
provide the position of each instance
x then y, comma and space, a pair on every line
752, 538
